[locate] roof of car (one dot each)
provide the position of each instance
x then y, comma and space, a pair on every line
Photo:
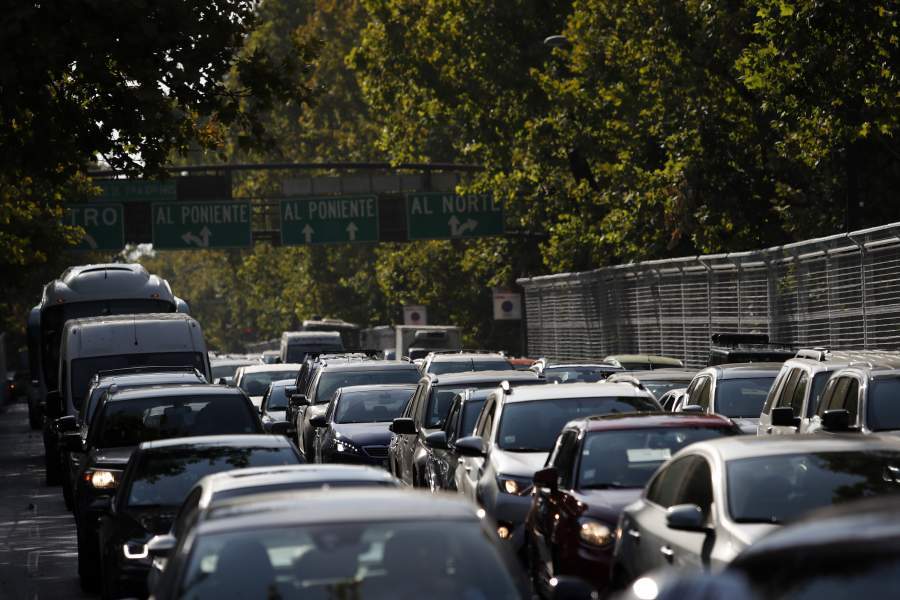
382, 387
106, 320
746, 370
335, 506
311, 335
833, 359
167, 390
368, 365
322, 473
749, 446
673, 374
651, 420
151, 378
270, 368
574, 390
606, 366
217, 441
218, 362
646, 358
457, 356
482, 377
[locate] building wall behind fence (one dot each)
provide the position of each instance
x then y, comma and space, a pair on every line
840, 292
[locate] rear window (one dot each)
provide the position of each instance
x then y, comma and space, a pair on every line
738, 398
255, 384
330, 382
130, 422
883, 405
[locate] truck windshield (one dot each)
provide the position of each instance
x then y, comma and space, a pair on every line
83, 369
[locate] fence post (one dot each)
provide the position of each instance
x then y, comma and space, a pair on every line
863, 289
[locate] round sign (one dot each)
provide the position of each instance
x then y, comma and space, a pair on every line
415, 316
507, 306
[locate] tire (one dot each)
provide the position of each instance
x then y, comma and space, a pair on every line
88, 562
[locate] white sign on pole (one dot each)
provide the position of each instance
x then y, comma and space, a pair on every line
415, 314
507, 305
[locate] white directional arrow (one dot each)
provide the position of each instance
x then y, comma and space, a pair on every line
201, 241
90, 240
308, 233
351, 231
204, 235
457, 229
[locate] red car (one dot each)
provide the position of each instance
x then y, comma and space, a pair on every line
598, 466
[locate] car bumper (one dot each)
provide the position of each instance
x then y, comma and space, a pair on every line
591, 563
355, 459
509, 511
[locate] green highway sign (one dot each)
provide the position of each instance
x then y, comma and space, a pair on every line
102, 224
329, 220
192, 225
437, 215
137, 190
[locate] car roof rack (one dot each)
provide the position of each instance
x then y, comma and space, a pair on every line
626, 378
818, 354
148, 369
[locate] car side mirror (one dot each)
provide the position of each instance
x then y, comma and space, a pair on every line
692, 408
547, 479
160, 546
568, 587
686, 517
277, 427
783, 416
471, 446
437, 440
298, 400
318, 421
403, 426
66, 424
836, 420
72, 442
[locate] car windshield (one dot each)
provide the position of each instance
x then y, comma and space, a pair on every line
829, 577
330, 382
534, 425
738, 398
297, 353
226, 371
627, 458
471, 410
360, 560
659, 388
576, 374
278, 398
778, 489
124, 423
164, 478
883, 405
255, 384
83, 369
371, 406
458, 366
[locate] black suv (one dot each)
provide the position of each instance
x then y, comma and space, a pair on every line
130, 417
427, 411
333, 374
729, 348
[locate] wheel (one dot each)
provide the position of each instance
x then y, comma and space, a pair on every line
88, 562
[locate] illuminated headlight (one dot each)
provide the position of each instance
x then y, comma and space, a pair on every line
347, 447
512, 485
135, 551
594, 532
102, 479
503, 532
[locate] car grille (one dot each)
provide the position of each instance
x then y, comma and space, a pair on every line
376, 451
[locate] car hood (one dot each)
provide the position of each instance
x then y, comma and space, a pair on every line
154, 520
111, 457
747, 424
607, 505
523, 464
364, 434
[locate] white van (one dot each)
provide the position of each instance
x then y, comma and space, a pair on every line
116, 342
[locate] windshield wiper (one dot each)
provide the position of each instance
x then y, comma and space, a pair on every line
769, 521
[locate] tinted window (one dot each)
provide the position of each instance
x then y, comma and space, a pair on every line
666, 485
628, 458
439, 402
130, 422
255, 384
883, 405
819, 382
697, 487
851, 400
83, 369
457, 366
742, 397
219, 371
278, 398
658, 388
787, 391
777, 489
534, 426
796, 402
406, 559
164, 478
371, 406
471, 410
330, 382
564, 459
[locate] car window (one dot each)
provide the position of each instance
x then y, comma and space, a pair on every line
851, 400
470, 411
776, 390
255, 384
743, 397
370, 406
827, 396
697, 485
663, 489
486, 419
439, 401
564, 461
329, 382
187, 513
818, 386
702, 395
796, 403
882, 407
452, 423
786, 396
277, 398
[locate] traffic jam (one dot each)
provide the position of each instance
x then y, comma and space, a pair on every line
391, 462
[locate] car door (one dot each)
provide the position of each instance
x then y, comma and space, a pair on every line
690, 549
439, 459
395, 446
644, 531
470, 468
785, 398
551, 510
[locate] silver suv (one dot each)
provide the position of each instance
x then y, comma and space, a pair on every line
862, 398
794, 397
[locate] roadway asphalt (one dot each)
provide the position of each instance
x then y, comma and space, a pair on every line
37, 533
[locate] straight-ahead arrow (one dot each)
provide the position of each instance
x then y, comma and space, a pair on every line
351, 231
454, 226
308, 233
204, 235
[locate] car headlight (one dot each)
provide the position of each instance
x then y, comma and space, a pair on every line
102, 479
594, 532
347, 447
517, 486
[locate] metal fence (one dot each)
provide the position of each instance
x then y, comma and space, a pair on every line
841, 291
